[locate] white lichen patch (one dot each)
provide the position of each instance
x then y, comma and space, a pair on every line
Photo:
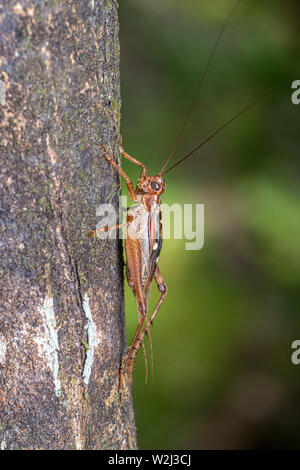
2, 351
48, 342
92, 340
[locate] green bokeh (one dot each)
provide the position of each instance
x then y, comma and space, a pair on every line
223, 376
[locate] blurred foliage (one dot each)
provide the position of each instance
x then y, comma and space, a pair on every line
223, 376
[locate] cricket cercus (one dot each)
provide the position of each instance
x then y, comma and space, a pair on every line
143, 240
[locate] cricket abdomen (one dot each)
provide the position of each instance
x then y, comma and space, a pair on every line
142, 245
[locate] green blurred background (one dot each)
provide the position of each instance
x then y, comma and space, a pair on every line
223, 376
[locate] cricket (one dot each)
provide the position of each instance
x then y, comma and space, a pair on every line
144, 228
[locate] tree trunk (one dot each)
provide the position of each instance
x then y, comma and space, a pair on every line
62, 321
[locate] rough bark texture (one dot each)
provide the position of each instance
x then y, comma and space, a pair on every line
62, 312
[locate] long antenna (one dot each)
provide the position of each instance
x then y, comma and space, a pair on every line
204, 73
214, 134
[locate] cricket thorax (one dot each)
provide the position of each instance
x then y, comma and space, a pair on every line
140, 219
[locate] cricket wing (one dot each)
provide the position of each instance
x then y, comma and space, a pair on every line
137, 249
142, 245
155, 244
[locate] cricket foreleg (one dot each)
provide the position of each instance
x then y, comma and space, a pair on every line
129, 184
133, 160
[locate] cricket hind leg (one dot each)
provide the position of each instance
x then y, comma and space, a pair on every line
142, 345
148, 333
128, 362
144, 348
125, 370
137, 289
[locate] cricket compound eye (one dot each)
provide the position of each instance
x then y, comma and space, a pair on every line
155, 186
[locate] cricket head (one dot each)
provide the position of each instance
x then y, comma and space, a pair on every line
151, 185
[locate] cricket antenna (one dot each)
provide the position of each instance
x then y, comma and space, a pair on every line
214, 133
204, 73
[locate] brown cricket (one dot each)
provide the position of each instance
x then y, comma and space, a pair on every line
143, 241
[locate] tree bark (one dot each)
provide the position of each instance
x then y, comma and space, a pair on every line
62, 320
